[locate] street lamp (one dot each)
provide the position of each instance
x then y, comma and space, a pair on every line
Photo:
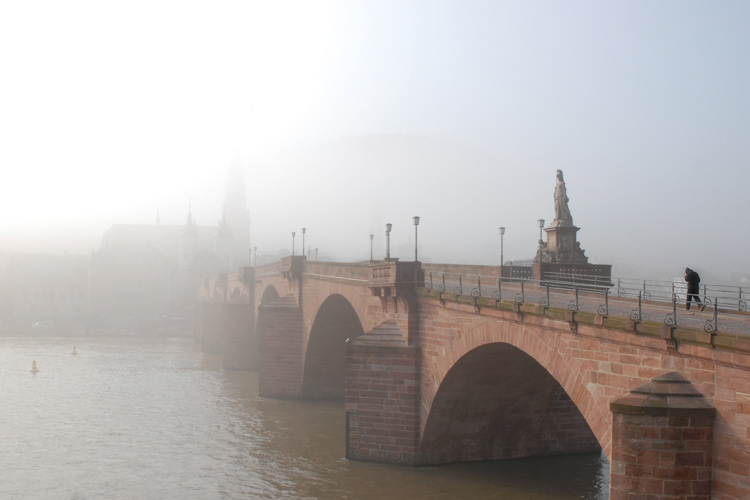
372, 236
293, 235
416, 224
502, 233
388, 242
255, 251
303, 241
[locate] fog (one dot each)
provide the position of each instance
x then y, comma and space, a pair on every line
346, 116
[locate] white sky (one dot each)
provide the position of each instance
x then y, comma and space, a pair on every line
351, 114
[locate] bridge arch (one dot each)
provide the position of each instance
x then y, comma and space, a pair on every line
498, 402
544, 346
335, 321
269, 295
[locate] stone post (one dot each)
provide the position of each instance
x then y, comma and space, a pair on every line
662, 438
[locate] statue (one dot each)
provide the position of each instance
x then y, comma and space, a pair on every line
562, 212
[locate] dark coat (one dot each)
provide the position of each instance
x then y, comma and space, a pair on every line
693, 280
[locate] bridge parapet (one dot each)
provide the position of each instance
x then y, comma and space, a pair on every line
268, 269
292, 266
357, 271
394, 278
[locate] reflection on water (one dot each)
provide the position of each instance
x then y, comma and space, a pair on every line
156, 419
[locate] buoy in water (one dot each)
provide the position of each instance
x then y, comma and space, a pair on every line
74, 353
34, 369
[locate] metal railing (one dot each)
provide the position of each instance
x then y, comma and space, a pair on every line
732, 298
594, 293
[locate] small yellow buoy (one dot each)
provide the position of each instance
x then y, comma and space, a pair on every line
34, 369
74, 353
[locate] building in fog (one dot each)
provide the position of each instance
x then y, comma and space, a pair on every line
139, 275
143, 272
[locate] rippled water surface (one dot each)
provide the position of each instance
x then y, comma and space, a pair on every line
144, 418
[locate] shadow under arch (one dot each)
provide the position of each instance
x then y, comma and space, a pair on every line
325, 358
497, 402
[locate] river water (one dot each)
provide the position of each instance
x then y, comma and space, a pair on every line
147, 418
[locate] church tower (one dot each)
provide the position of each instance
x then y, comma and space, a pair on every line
224, 243
236, 212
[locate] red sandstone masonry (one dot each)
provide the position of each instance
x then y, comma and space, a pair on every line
663, 434
593, 380
382, 423
280, 342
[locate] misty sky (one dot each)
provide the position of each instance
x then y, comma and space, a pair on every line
347, 115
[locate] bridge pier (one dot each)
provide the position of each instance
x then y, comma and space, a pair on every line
382, 397
209, 326
280, 340
238, 337
662, 442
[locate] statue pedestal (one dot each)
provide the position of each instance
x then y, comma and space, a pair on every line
563, 259
562, 245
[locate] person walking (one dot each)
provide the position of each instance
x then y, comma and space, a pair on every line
693, 288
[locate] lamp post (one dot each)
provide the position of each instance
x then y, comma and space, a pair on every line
388, 242
316, 253
293, 235
502, 233
303, 241
372, 236
255, 251
416, 225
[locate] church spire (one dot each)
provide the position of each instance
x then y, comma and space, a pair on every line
190, 229
223, 230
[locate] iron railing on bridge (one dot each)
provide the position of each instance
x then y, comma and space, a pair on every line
594, 293
732, 298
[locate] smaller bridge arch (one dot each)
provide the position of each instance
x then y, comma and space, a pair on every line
269, 294
335, 322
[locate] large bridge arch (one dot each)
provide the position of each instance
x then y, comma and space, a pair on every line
336, 322
498, 402
454, 335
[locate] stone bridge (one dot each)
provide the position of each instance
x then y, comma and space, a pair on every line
434, 377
